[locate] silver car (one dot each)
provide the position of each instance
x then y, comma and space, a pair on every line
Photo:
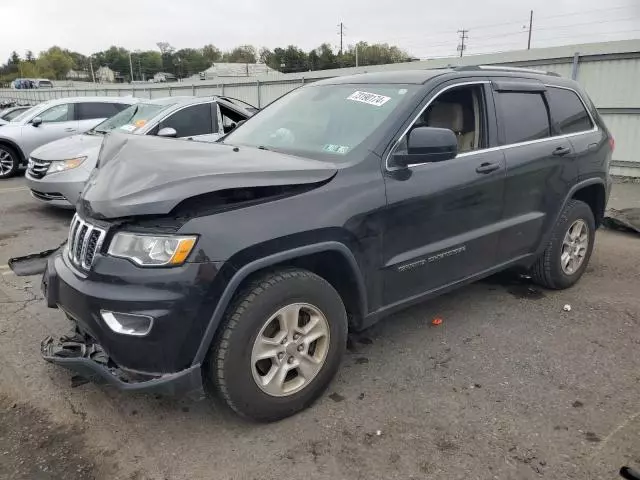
57, 172
51, 121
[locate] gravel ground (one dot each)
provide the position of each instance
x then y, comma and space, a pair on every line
508, 386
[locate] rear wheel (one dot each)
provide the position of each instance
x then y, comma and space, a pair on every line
9, 161
569, 250
279, 346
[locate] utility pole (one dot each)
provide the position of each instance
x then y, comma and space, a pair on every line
463, 36
356, 54
341, 35
131, 66
93, 77
530, 29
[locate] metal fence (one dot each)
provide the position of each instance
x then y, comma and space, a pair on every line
609, 71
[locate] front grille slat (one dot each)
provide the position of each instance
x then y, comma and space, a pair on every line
37, 168
85, 240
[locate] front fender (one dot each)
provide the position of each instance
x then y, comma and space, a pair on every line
264, 262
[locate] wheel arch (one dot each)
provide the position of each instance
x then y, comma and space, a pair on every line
346, 279
578, 187
594, 195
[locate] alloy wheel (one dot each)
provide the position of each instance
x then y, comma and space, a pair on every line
290, 349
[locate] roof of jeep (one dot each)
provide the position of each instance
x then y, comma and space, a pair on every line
418, 77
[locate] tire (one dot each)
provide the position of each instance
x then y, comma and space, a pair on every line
232, 371
9, 161
548, 270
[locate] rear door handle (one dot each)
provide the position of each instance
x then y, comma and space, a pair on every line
488, 167
561, 151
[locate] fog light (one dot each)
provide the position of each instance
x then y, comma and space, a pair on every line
127, 323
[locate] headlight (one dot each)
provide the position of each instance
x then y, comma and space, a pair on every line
152, 250
62, 165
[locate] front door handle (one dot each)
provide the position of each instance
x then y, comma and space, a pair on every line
488, 167
69, 129
561, 151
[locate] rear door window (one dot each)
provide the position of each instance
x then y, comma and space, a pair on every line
567, 111
190, 121
93, 110
523, 116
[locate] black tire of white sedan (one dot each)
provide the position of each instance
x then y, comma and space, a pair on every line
568, 252
9, 161
279, 346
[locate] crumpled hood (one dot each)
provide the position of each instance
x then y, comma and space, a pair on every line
142, 175
70, 147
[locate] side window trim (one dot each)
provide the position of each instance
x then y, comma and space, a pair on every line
553, 137
423, 109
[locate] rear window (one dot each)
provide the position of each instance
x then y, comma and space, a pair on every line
92, 110
523, 116
567, 111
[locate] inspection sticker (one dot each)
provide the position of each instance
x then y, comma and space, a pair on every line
369, 98
341, 149
128, 128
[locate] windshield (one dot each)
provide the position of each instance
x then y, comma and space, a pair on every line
323, 122
131, 118
23, 115
13, 114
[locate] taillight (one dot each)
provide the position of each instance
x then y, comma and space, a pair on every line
612, 143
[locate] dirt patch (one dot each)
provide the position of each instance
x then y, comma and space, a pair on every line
32, 447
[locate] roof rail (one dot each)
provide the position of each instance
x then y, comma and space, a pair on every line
505, 69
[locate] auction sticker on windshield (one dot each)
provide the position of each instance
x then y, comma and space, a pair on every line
341, 149
369, 98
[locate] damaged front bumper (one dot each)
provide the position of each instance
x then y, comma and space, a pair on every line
161, 361
88, 359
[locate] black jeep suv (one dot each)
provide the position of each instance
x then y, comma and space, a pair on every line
240, 266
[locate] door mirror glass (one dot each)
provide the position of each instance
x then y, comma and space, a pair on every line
36, 122
168, 132
427, 144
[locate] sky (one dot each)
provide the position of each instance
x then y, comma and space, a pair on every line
424, 28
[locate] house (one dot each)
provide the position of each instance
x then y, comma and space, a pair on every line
223, 69
164, 77
105, 75
78, 75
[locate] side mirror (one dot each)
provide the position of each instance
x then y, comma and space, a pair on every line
428, 144
168, 132
36, 122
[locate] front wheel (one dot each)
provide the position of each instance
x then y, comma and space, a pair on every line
279, 346
9, 162
568, 252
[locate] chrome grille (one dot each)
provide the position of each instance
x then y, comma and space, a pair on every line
37, 168
85, 240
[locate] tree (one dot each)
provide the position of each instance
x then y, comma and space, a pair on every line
166, 50
211, 54
326, 58
29, 57
241, 54
264, 56
14, 59
55, 62
192, 61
